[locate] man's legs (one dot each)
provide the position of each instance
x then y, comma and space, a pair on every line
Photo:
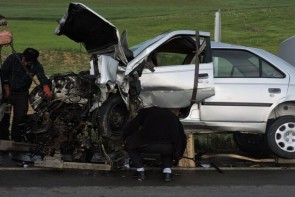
4, 127
20, 104
167, 160
164, 149
136, 159
4, 134
135, 156
166, 152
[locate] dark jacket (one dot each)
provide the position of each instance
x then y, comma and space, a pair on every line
15, 75
155, 125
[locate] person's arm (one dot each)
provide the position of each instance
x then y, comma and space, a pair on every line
43, 79
6, 72
39, 71
134, 124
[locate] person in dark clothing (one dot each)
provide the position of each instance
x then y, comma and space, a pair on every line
155, 130
4, 126
4, 117
17, 74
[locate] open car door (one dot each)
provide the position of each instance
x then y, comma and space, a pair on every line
170, 83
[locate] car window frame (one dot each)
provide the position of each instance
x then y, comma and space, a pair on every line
187, 58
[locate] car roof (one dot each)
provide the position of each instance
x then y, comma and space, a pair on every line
226, 45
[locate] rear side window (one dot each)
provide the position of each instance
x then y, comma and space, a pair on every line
242, 64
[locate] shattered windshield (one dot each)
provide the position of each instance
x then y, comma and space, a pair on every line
136, 49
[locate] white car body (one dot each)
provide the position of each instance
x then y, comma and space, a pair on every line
246, 104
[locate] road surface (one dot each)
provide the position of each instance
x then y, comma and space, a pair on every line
251, 181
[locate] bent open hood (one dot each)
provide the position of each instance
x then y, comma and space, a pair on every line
83, 25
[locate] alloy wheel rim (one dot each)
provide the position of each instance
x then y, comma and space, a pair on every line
285, 137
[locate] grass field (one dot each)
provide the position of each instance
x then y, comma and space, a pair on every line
262, 24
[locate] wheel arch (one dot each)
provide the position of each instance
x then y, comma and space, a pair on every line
282, 109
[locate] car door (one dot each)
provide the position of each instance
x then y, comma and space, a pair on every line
246, 86
171, 83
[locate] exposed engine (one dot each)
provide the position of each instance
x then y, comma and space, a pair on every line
68, 124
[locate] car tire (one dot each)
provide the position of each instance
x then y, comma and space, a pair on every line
281, 137
112, 116
251, 143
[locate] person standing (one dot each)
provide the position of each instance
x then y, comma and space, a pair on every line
155, 130
17, 74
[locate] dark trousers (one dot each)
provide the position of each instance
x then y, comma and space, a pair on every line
4, 127
20, 103
165, 150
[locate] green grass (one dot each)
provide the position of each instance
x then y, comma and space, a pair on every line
262, 24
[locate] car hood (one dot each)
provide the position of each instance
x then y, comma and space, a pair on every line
83, 25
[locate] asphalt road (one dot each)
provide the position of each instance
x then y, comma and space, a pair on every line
250, 181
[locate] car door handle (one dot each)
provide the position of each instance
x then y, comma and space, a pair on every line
274, 90
203, 76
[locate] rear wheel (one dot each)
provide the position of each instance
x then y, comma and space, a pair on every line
281, 137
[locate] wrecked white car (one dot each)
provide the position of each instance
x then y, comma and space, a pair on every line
217, 87
88, 110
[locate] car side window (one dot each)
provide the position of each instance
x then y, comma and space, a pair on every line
269, 71
224, 68
169, 59
242, 64
180, 50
